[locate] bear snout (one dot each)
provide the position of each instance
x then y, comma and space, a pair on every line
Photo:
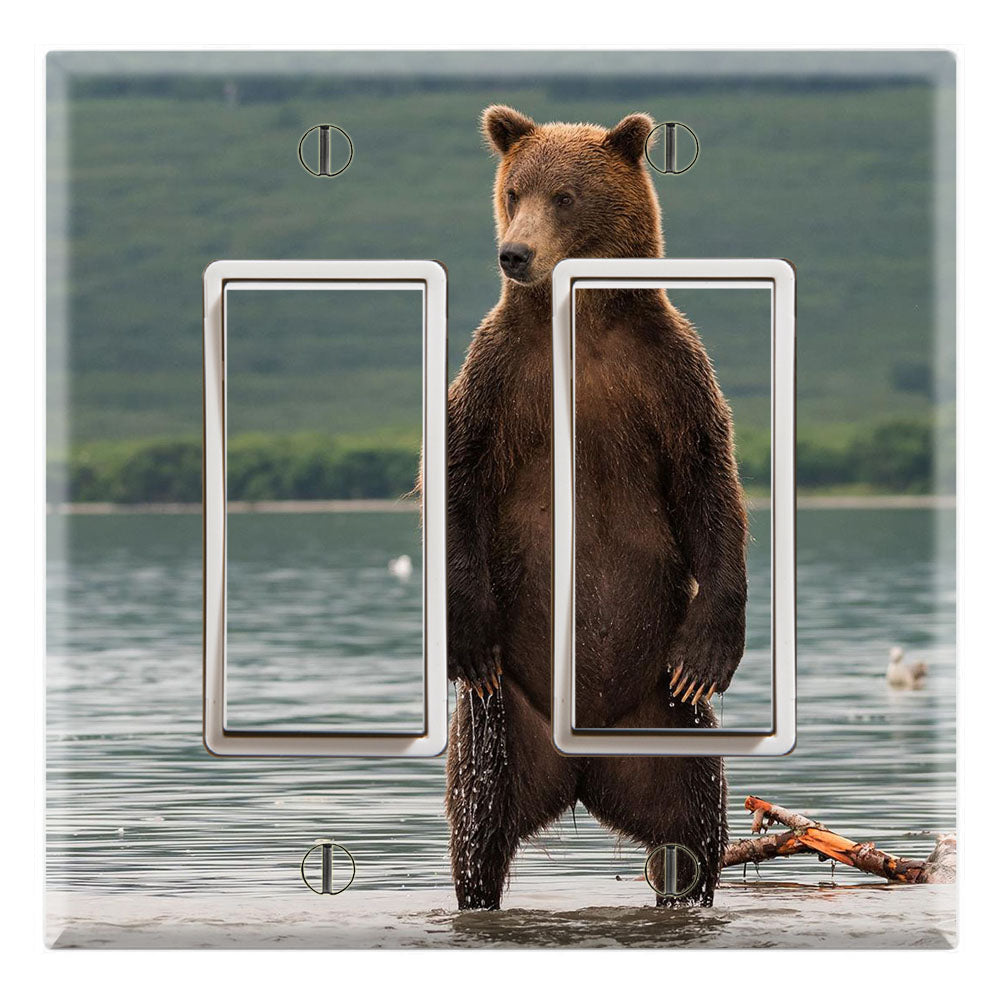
515, 260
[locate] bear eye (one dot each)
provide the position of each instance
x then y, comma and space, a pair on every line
511, 201
564, 199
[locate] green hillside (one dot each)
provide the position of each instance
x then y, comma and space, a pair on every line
166, 175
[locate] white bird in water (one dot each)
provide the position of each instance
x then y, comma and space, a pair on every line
401, 567
904, 675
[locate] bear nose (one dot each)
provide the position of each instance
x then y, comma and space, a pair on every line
515, 259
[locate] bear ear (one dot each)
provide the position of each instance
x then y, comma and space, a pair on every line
628, 137
503, 126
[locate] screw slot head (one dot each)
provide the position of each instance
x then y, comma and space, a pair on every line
669, 854
670, 147
327, 847
325, 164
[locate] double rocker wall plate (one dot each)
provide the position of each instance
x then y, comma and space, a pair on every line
775, 733
493, 479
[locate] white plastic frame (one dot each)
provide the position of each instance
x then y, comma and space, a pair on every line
779, 277
430, 279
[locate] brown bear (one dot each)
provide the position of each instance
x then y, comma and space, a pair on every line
661, 525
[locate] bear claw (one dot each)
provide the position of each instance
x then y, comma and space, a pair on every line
487, 684
476, 668
685, 686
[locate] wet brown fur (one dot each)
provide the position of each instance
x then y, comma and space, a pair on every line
661, 528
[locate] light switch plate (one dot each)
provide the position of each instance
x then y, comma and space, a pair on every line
261, 774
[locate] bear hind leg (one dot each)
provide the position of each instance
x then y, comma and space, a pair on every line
505, 782
659, 801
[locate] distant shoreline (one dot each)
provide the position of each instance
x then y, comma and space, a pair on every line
833, 502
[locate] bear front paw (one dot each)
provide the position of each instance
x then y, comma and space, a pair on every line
478, 665
688, 684
701, 667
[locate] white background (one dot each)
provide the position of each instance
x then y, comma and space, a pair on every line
966, 28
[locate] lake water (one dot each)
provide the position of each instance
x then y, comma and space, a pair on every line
152, 842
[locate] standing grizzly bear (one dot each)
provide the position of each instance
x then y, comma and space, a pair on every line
660, 523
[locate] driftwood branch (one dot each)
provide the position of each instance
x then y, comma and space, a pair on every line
756, 849
805, 834
765, 811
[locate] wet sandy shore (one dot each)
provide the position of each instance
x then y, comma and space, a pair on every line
601, 915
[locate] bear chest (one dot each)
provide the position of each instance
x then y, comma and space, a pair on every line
618, 458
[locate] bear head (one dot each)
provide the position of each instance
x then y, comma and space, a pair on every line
570, 191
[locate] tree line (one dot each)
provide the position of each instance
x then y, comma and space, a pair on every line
896, 456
